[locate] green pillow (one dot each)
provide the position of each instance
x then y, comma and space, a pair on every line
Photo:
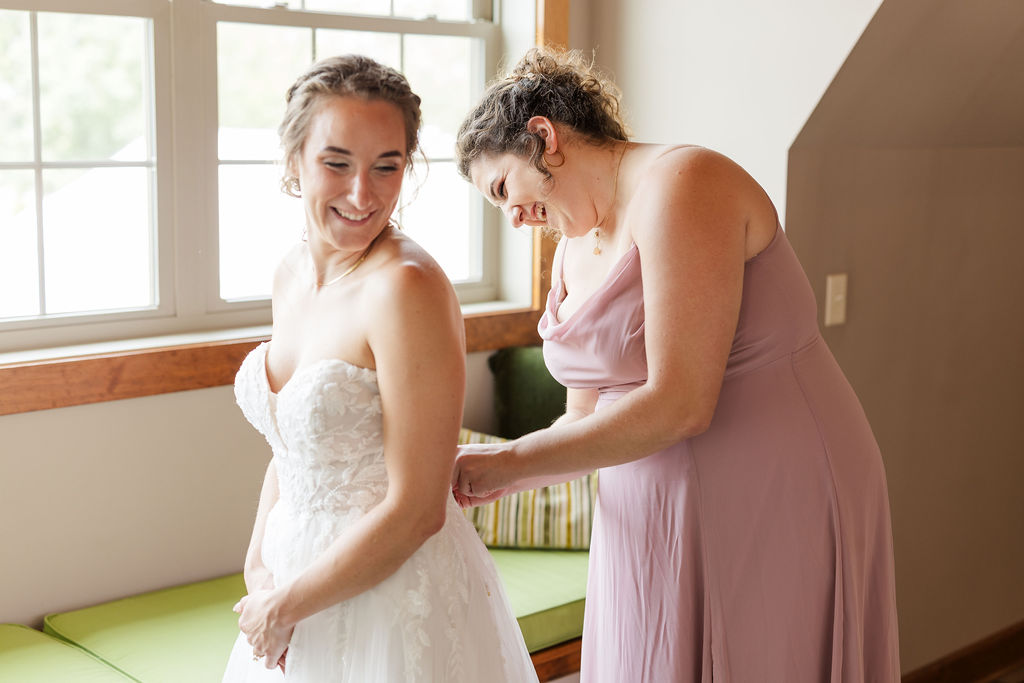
526, 396
553, 517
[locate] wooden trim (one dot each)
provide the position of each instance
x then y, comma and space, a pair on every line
981, 662
42, 385
516, 328
553, 22
558, 660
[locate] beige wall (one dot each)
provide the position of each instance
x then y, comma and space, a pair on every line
931, 242
909, 177
111, 499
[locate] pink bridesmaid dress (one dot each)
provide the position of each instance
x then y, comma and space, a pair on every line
759, 551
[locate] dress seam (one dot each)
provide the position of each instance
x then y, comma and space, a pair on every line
781, 357
705, 562
839, 597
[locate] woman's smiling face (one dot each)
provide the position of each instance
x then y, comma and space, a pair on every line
350, 170
528, 197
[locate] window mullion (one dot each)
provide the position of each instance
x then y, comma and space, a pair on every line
37, 158
193, 90
156, 257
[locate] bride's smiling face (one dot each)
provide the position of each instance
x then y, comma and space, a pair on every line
350, 170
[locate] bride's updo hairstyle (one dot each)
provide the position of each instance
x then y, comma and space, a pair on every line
558, 84
345, 76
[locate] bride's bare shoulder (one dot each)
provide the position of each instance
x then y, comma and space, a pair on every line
295, 261
405, 268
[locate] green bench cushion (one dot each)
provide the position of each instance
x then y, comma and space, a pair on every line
177, 634
546, 589
145, 635
28, 656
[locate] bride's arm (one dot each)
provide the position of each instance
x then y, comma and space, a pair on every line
416, 335
257, 576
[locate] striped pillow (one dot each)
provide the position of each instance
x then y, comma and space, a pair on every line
555, 517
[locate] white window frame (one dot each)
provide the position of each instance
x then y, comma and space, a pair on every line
186, 195
57, 329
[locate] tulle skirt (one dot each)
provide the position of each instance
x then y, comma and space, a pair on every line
442, 617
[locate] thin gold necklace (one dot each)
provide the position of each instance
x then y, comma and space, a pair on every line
359, 261
615, 194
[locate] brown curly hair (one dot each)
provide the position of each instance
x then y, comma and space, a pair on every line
344, 76
559, 84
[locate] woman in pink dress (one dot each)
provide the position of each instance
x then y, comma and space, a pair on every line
742, 531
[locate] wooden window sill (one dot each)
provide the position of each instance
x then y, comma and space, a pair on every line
58, 383
94, 378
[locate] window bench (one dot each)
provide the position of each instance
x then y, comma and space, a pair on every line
186, 632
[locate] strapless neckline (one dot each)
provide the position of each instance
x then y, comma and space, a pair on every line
367, 372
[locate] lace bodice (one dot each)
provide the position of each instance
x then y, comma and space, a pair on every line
442, 617
324, 428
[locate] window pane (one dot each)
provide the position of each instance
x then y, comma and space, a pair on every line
438, 69
258, 224
384, 47
97, 246
438, 218
15, 88
258, 3
92, 95
249, 144
19, 272
379, 7
453, 10
251, 84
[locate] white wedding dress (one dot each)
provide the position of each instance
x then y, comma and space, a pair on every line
442, 617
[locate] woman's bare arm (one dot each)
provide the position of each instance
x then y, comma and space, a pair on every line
689, 225
579, 404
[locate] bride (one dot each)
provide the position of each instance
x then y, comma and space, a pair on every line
361, 566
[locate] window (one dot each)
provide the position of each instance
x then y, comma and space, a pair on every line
77, 168
138, 172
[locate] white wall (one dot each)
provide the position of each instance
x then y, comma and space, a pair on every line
738, 76
110, 499
104, 500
